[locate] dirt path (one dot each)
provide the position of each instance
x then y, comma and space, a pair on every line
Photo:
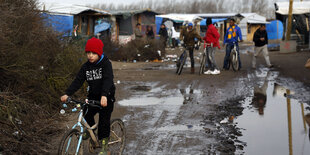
169, 114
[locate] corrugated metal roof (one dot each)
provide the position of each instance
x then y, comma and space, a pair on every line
298, 7
67, 9
181, 17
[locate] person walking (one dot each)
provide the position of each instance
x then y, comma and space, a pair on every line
232, 35
188, 35
261, 40
212, 40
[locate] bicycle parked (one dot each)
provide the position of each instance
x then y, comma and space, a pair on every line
72, 143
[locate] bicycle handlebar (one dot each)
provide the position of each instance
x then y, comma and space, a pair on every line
92, 103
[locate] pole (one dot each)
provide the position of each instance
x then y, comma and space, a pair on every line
289, 26
289, 122
303, 116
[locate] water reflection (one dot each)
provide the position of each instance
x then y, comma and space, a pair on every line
280, 127
260, 98
187, 94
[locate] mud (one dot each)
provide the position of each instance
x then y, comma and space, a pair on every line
191, 114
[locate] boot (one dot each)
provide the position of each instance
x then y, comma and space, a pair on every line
192, 70
104, 149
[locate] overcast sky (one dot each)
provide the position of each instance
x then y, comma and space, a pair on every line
117, 2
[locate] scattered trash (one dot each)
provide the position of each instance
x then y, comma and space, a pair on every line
171, 56
62, 111
64, 105
138, 55
15, 133
159, 52
41, 67
74, 110
118, 82
18, 121
134, 61
189, 126
147, 61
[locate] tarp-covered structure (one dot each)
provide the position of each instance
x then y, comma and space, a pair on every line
300, 22
67, 18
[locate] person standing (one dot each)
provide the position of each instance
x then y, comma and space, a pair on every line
138, 33
212, 40
232, 35
163, 34
261, 40
149, 32
188, 36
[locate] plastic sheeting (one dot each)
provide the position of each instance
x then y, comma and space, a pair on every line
101, 26
158, 21
275, 30
60, 23
203, 22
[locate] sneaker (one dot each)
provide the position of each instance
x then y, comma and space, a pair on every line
215, 72
207, 72
104, 149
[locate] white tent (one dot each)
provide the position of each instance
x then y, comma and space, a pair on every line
67, 9
298, 7
181, 17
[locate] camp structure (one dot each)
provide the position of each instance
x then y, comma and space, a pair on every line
300, 22
124, 23
76, 19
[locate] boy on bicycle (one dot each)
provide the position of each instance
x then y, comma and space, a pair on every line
231, 37
98, 73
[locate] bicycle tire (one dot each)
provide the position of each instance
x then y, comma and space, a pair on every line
234, 61
182, 64
64, 143
117, 149
202, 64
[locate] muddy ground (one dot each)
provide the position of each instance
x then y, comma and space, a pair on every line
169, 114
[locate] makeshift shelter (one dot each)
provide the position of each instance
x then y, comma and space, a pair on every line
68, 18
125, 23
300, 22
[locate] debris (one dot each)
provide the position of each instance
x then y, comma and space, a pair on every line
134, 61
74, 110
159, 52
118, 82
62, 111
64, 105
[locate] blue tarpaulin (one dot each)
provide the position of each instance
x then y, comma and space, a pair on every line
158, 21
60, 23
215, 20
275, 30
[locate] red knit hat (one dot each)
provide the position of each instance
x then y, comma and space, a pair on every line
94, 45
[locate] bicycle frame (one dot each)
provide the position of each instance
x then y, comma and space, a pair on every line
81, 124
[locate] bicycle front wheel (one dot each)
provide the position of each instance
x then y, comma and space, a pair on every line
235, 61
117, 136
69, 143
182, 64
202, 64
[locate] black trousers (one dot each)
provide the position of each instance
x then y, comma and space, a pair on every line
191, 55
104, 119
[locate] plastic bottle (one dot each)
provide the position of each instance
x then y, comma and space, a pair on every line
62, 111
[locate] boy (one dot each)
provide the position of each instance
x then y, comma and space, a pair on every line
98, 73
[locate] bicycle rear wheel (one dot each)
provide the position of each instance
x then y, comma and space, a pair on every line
234, 61
117, 136
69, 143
202, 63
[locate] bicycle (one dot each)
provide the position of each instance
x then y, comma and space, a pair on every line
72, 141
234, 58
204, 59
181, 62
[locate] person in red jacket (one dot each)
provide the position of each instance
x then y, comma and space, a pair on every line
212, 40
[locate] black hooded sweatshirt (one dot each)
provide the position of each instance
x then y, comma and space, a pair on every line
99, 76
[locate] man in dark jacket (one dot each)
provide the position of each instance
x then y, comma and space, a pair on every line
188, 35
261, 40
163, 34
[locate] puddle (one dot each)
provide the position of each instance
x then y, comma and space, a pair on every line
273, 123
